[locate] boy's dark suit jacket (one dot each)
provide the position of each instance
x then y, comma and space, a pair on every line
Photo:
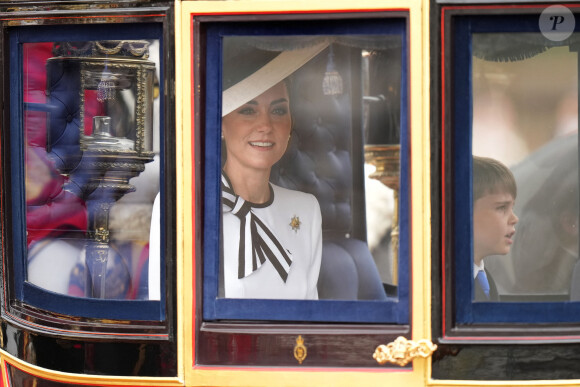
480, 296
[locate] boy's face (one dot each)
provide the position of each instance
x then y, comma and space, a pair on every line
493, 225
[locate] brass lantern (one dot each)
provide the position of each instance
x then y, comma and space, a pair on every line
116, 135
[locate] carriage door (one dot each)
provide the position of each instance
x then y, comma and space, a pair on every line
508, 87
359, 145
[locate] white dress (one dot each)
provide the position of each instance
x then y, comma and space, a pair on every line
294, 217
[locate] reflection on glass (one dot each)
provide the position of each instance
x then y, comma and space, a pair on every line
342, 95
91, 170
525, 114
381, 126
20, 378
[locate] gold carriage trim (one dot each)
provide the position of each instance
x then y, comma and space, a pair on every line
402, 351
300, 350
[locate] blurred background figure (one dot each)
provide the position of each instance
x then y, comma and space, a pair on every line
525, 114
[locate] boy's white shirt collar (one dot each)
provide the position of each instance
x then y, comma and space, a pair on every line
477, 268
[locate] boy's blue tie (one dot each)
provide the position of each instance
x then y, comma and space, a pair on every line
483, 282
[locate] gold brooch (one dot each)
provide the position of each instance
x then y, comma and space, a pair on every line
295, 223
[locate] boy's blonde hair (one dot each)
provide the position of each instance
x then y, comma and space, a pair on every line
491, 176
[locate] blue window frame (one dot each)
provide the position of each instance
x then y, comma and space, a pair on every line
515, 309
138, 308
393, 309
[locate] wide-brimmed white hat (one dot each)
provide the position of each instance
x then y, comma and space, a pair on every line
275, 68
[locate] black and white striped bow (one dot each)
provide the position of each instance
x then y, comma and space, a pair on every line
257, 241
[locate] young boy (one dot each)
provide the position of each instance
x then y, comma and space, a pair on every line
494, 194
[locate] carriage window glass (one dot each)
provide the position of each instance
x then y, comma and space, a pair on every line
91, 167
316, 85
515, 141
525, 134
313, 174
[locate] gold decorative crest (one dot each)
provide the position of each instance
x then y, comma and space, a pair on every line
300, 351
402, 351
295, 223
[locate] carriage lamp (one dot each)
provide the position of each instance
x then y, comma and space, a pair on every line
116, 136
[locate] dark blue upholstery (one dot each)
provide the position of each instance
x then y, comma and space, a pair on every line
348, 272
63, 85
320, 160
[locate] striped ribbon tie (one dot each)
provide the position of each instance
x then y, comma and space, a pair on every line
257, 241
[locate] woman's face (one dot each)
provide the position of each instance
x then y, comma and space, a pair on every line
256, 134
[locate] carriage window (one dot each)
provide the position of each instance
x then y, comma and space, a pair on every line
313, 206
531, 111
88, 176
521, 84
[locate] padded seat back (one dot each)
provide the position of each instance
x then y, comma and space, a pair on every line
324, 158
319, 156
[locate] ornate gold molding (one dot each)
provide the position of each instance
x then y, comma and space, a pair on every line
300, 351
402, 351
386, 158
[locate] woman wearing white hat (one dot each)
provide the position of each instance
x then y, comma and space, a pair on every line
272, 238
